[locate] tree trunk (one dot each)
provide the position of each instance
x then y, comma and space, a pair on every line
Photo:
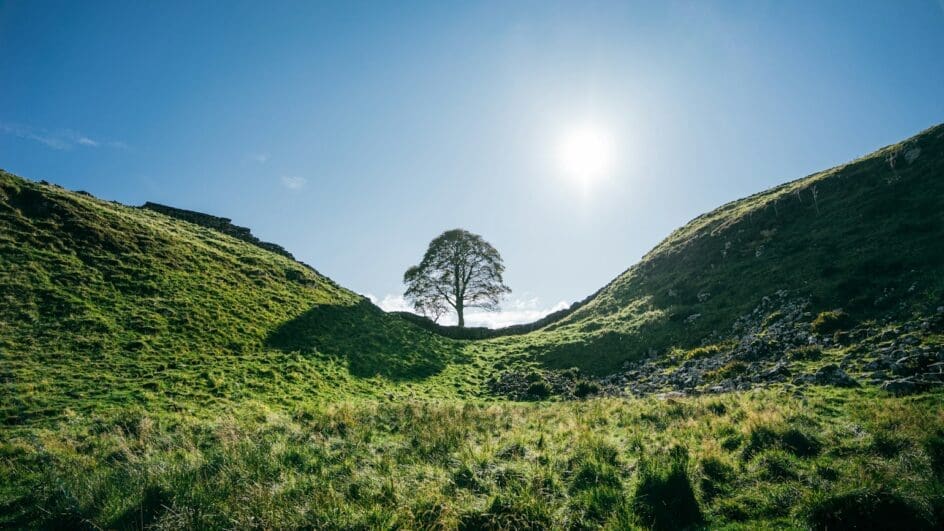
459, 308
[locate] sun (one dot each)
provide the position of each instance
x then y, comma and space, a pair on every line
586, 153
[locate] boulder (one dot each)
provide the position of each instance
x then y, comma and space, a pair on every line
902, 386
832, 375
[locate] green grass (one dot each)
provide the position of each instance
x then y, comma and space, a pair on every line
416, 464
106, 305
156, 373
864, 237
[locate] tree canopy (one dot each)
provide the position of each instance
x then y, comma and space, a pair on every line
459, 270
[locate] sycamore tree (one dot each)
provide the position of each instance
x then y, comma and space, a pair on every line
459, 270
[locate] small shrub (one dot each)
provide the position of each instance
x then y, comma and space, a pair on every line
831, 321
585, 388
664, 497
571, 374
539, 390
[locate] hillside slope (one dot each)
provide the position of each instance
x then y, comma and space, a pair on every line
156, 373
864, 238
103, 304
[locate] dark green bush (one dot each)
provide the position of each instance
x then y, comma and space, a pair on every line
585, 389
540, 389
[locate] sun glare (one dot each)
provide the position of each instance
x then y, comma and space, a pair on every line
586, 153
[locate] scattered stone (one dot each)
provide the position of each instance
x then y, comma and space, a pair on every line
833, 375
902, 386
779, 373
764, 347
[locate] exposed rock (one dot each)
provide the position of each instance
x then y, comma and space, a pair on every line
766, 347
902, 386
779, 373
833, 375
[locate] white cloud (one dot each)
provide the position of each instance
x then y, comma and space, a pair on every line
86, 141
62, 139
294, 183
514, 311
391, 303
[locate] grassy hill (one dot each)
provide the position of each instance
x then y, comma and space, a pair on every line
776, 363
864, 237
104, 304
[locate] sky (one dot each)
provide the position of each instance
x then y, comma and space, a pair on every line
353, 133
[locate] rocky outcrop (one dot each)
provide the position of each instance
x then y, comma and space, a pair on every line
775, 344
224, 225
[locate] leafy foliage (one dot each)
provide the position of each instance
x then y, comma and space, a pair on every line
459, 269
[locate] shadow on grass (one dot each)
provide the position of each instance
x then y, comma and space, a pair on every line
372, 342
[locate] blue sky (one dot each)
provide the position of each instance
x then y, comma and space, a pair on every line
353, 133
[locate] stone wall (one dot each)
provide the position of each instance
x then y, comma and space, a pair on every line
223, 225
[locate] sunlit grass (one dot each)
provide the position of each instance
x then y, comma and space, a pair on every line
746, 458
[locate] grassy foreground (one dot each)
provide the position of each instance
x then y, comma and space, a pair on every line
824, 459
